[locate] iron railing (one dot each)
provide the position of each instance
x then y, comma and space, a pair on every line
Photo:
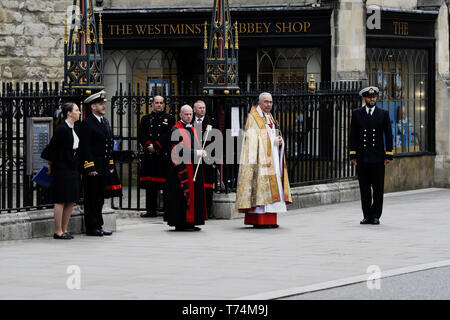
314, 126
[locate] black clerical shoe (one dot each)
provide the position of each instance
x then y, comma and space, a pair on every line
69, 235
265, 226
365, 221
375, 221
149, 215
105, 232
187, 228
94, 233
64, 236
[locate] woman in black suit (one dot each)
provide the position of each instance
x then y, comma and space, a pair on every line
63, 166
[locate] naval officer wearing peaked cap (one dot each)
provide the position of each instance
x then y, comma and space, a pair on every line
96, 146
371, 147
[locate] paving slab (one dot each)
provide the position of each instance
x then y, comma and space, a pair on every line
146, 259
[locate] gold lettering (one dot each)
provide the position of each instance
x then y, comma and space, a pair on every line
400, 28
306, 26
190, 28
140, 28
198, 28
278, 27
258, 27
173, 30
242, 28
111, 27
151, 29
158, 30
251, 27
165, 26
288, 27
395, 27
129, 29
300, 27
267, 26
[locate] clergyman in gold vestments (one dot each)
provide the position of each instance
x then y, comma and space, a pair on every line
263, 184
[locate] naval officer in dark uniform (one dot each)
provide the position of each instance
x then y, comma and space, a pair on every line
96, 146
371, 146
154, 137
200, 121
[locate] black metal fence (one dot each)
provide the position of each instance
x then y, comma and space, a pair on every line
17, 104
314, 126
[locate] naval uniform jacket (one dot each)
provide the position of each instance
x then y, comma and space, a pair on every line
155, 129
96, 146
371, 136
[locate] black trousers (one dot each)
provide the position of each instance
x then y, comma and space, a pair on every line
94, 191
371, 186
151, 198
209, 192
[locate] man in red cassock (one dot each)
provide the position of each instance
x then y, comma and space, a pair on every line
186, 205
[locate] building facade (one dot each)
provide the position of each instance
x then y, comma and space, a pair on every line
401, 46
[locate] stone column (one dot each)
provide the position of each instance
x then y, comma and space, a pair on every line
349, 40
442, 162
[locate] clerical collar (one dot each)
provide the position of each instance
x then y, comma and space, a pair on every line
186, 125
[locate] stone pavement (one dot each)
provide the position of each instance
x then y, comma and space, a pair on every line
145, 259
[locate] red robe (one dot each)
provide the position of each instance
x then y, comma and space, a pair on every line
187, 200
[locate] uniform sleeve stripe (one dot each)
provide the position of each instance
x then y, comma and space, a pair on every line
352, 152
391, 153
88, 164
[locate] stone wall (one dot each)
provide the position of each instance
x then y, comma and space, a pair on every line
194, 3
442, 164
32, 40
409, 173
400, 4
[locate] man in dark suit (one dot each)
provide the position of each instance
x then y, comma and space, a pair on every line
154, 137
96, 146
370, 151
201, 121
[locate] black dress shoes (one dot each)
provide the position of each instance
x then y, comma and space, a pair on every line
365, 221
149, 215
94, 233
375, 221
68, 235
105, 232
179, 228
265, 226
63, 236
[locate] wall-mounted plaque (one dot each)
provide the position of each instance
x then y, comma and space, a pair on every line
40, 130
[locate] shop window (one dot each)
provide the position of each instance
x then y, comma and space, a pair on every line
286, 66
402, 77
139, 67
